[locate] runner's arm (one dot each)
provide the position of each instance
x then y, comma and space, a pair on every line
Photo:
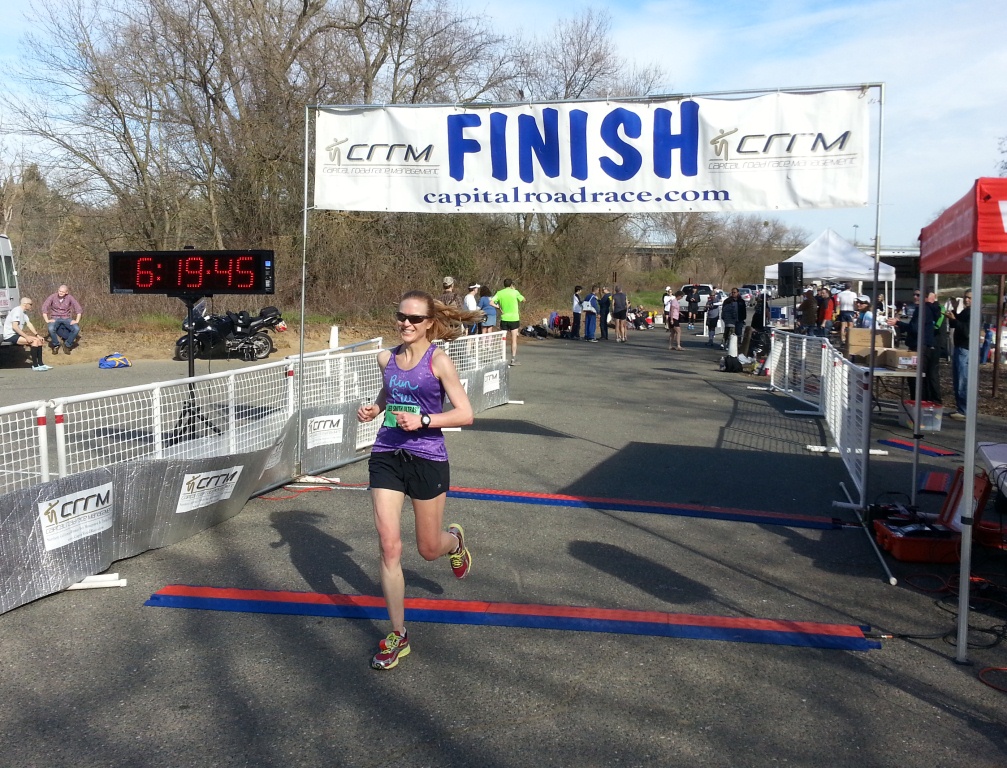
369, 412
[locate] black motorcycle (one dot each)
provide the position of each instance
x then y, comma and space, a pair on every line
233, 333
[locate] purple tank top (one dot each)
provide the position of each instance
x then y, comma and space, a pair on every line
417, 387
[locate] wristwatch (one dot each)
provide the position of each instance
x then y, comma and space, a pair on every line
425, 420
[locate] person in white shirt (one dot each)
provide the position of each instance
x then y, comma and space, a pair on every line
575, 331
17, 329
847, 301
471, 303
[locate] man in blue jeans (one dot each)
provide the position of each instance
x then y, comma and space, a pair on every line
62, 313
960, 356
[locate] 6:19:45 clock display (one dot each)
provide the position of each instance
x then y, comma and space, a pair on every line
191, 272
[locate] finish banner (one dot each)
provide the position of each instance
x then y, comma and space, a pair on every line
780, 151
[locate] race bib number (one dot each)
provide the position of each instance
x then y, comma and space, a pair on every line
392, 408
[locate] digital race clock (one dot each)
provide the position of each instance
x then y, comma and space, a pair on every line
191, 272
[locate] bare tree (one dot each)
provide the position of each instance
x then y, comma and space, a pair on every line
577, 59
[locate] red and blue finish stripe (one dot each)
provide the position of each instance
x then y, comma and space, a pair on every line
926, 450
807, 634
654, 507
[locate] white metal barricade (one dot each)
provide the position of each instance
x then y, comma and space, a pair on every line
213, 415
24, 446
798, 366
479, 351
811, 370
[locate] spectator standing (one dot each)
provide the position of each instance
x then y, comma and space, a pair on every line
865, 318
960, 355
620, 307
604, 310
675, 322
739, 326
449, 298
927, 357
589, 309
61, 312
17, 329
809, 310
759, 313
489, 311
733, 314
826, 312
713, 307
409, 457
881, 306
847, 304
575, 331
692, 302
666, 304
508, 301
471, 304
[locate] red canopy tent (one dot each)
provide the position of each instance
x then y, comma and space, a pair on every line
969, 237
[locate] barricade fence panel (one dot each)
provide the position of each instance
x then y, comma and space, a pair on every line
811, 370
797, 366
24, 454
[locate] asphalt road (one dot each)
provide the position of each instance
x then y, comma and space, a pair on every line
95, 678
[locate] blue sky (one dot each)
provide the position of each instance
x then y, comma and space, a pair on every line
944, 65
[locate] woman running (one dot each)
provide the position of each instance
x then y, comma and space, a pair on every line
409, 457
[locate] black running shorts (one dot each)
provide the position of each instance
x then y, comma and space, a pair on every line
417, 478
510, 325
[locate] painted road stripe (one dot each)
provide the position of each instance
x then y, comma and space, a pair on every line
654, 507
481, 613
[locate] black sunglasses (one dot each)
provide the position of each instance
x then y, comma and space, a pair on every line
413, 319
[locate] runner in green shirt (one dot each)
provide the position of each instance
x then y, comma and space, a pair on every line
507, 300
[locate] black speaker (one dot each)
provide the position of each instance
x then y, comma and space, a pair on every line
791, 275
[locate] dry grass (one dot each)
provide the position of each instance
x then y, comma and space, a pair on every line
151, 343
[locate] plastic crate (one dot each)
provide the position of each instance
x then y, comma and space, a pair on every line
931, 415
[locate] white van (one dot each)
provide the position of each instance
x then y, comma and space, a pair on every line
10, 296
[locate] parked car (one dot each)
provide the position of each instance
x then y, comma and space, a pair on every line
748, 293
703, 290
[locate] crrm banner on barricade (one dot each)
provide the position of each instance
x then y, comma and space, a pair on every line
773, 152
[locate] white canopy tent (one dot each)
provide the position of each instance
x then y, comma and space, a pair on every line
831, 257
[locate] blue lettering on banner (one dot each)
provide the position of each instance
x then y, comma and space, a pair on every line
686, 142
632, 126
540, 143
458, 145
545, 147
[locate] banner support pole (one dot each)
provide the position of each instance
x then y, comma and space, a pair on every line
304, 280
873, 360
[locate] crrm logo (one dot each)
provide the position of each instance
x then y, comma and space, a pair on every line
390, 154
194, 483
802, 144
69, 507
325, 423
325, 430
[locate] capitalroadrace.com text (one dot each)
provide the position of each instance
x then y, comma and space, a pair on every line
579, 196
